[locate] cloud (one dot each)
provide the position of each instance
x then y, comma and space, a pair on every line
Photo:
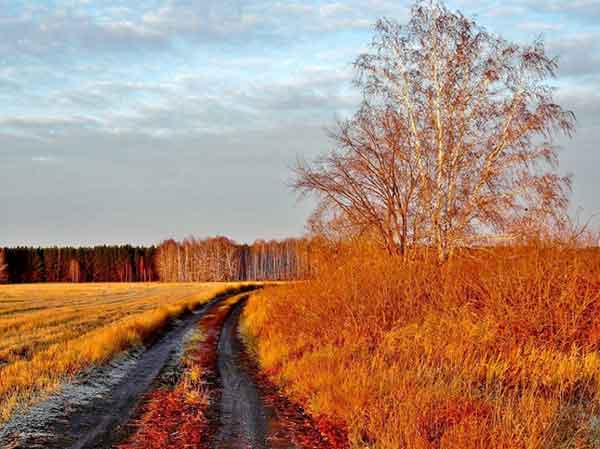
506, 11
44, 159
579, 53
540, 26
57, 33
209, 21
573, 10
113, 185
179, 102
111, 28
184, 106
8, 86
585, 10
49, 126
584, 100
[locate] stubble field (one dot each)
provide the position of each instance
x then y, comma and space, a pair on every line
51, 332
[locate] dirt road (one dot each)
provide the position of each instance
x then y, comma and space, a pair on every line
92, 412
244, 417
252, 411
99, 409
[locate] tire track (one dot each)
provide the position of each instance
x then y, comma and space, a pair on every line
243, 415
252, 412
247, 411
92, 412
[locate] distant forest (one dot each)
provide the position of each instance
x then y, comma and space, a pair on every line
214, 259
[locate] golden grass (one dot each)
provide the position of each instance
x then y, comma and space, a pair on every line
50, 332
497, 349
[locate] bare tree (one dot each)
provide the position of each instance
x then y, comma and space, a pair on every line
371, 179
454, 137
3, 267
74, 271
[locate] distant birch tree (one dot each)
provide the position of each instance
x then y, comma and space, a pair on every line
454, 137
3, 267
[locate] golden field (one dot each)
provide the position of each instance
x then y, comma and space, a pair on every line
497, 348
50, 332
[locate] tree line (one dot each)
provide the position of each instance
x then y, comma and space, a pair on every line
193, 260
221, 259
122, 263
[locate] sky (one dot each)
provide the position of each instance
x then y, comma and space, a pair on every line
135, 121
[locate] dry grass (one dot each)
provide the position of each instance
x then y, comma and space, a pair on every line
497, 349
50, 332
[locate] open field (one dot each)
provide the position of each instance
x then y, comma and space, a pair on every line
496, 348
50, 332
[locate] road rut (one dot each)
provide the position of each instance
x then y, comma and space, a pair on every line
101, 409
243, 415
252, 411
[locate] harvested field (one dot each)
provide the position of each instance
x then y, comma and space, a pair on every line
49, 333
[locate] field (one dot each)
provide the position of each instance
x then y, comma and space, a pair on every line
497, 348
50, 332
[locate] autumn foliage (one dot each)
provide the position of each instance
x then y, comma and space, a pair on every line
497, 348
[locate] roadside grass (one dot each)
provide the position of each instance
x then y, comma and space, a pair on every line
51, 332
496, 349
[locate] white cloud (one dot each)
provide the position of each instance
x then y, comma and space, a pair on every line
540, 26
98, 81
579, 53
44, 159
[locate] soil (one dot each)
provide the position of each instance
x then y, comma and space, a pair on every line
244, 417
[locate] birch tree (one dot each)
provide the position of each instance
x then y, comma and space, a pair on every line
3, 267
455, 136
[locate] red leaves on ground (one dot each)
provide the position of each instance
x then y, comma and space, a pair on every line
171, 419
291, 423
176, 418
334, 433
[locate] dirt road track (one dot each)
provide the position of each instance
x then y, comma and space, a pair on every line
252, 412
98, 410
91, 413
243, 415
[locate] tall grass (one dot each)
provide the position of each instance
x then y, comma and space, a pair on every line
496, 349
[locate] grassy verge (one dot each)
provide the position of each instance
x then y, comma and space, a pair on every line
497, 349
